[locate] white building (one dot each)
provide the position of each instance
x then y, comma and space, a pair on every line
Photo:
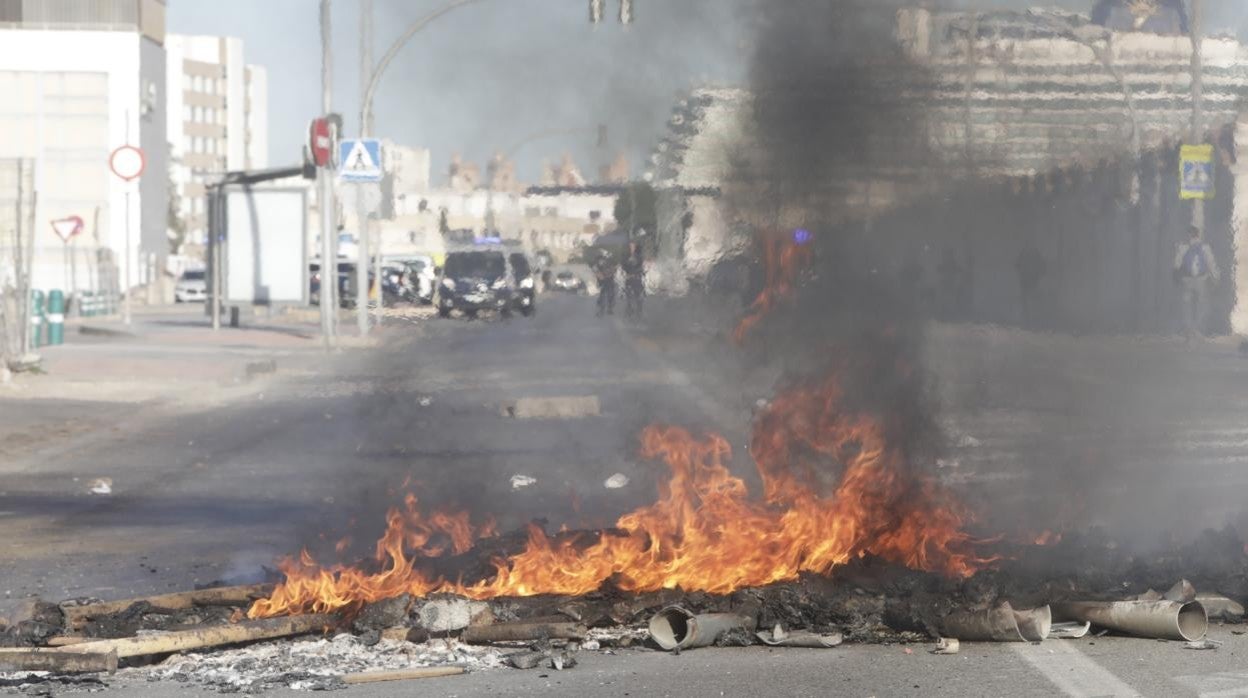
79, 80
559, 220
217, 119
407, 176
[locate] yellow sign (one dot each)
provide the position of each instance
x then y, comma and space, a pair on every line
1196, 172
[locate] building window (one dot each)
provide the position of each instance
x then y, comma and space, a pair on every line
595, 215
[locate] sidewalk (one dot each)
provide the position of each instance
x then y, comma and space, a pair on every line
168, 353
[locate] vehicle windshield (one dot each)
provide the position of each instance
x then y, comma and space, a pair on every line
567, 275
520, 266
485, 265
193, 276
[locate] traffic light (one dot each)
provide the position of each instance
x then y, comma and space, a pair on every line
595, 11
626, 11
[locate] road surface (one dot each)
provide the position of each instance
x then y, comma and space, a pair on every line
217, 492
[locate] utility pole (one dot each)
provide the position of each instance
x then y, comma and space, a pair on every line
368, 131
361, 206
130, 256
329, 232
1198, 97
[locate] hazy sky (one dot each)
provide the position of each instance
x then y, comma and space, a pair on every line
488, 75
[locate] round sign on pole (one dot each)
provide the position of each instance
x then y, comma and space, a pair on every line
127, 162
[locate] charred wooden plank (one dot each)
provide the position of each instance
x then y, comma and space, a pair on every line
58, 661
214, 636
67, 640
77, 616
427, 672
517, 632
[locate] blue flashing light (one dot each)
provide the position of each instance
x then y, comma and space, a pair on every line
489, 241
802, 236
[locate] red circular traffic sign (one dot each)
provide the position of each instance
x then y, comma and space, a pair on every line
127, 162
320, 142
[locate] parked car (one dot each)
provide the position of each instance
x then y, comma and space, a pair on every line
192, 287
346, 292
420, 278
568, 281
395, 283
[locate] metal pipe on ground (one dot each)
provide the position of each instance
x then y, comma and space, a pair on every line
1167, 620
778, 637
1001, 623
675, 628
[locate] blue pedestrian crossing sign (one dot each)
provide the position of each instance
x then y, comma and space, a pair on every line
359, 160
1196, 172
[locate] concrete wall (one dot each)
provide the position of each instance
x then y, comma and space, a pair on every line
154, 140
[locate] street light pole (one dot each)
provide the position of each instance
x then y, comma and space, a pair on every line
1198, 96
370, 91
329, 233
361, 206
370, 77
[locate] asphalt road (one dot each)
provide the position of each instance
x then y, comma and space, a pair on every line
217, 493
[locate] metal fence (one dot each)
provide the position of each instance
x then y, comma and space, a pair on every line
1106, 239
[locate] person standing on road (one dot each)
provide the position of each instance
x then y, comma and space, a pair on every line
634, 281
604, 272
1194, 269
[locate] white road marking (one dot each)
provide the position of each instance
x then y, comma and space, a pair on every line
1071, 671
1224, 684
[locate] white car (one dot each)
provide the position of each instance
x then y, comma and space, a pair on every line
191, 288
425, 278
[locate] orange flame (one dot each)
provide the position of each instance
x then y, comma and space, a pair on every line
704, 533
783, 260
1048, 537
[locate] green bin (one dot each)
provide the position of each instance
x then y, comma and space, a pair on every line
56, 317
36, 319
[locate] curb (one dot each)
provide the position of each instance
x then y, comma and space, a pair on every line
93, 331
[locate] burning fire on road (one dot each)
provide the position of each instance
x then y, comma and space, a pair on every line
704, 533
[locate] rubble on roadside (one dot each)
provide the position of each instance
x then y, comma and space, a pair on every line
311, 664
202, 638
